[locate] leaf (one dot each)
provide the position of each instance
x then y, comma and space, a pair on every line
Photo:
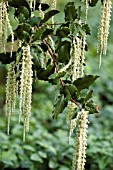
24, 11
38, 34
62, 32
62, 167
70, 12
43, 46
34, 21
59, 106
88, 95
43, 6
29, 148
87, 29
23, 32
93, 3
6, 58
35, 157
24, 27
42, 154
48, 15
53, 164
91, 107
69, 91
46, 33
18, 4
43, 74
84, 82
79, 12
64, 52
54, 78
9, 156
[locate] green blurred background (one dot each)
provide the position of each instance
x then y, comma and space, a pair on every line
46, 146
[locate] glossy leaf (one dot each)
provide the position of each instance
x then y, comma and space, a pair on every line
6, 58
62, 32
48, 15
34, 21
22, 10
93, 3
46, 33
18, 4
92, 107
59, 106
87, 29
23, 31
69, 91
38, 34
54, 78
70, 12
43, 74
43, 6
84, 82
64, 52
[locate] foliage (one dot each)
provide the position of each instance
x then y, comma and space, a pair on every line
37, 36
45, 138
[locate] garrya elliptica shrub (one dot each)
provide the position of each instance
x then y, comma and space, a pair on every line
55, 52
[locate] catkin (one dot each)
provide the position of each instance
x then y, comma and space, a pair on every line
103, 29
26, 87
79, 157
5, 26
10, 93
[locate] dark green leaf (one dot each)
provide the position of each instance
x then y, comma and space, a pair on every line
59, 106
88, 95
84, 82
92, 107
48, 15
43, 6
87, 29
79, 12
46, 33
23, 31
34, 21
70, 12
44, 47
64, 52
43, 74
16, 3
38, 34
69, 91
62, 32
6, 58
93, 3
22, 11
54, 78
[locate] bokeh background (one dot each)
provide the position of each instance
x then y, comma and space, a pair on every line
46, 146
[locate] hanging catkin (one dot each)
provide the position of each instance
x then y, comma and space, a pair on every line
5, 26
10, 93
79, 157
26, 87
103, 30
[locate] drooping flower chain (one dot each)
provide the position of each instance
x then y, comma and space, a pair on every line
4, 27
78, 57
79, 157
26, 87
10, 93
103, 30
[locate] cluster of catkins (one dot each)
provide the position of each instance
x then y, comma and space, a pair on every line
20, 75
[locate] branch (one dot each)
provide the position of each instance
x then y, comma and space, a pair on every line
56, 66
